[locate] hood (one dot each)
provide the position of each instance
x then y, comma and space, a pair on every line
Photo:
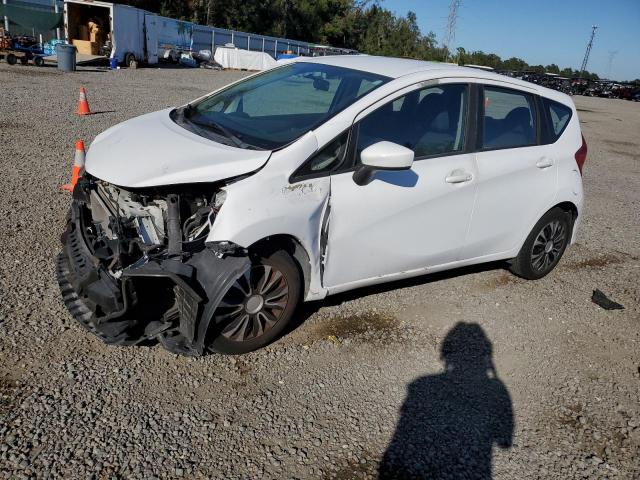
151, 150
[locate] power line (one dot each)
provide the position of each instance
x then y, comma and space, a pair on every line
586, 54
450, 32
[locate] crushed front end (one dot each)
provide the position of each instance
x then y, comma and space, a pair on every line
136, 266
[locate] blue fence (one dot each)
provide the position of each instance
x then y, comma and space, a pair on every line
190, 36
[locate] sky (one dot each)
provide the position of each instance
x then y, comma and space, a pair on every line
541, 31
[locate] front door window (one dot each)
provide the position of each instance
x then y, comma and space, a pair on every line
431, 121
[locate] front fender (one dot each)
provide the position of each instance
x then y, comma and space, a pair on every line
266, 204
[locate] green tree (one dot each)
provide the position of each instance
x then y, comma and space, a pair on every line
175, 9
566, 72
461, 56
553, 68
515, 64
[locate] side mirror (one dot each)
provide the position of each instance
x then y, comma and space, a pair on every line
382, 156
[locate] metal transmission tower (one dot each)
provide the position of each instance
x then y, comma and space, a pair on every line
612, 55
450, 32
586, 54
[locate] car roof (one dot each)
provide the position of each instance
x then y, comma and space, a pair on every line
388, 66
394, 67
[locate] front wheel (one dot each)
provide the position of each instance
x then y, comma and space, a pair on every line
258, 306
544, 246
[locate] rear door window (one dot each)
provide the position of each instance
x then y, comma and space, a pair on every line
509, 119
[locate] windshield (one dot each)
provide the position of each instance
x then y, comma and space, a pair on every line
271, 110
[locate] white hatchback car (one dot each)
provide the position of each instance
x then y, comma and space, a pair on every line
204, 226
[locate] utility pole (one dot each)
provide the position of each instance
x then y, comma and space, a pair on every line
56, 9
586, 54
612, 55
450, 32
286, 7
208, 12
6, 19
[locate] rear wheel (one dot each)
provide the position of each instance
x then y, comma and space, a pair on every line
258, 306
130, 60
544, 246
12, 59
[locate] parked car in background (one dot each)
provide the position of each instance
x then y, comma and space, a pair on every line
205, 226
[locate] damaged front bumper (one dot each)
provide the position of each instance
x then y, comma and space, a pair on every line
169, 298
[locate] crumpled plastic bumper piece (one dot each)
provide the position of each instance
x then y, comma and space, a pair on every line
92, 296
105, 305
110, 330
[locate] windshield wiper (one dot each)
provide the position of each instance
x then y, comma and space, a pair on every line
227, 133
187, 111
224, 130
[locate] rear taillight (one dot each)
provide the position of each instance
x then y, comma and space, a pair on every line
581, 155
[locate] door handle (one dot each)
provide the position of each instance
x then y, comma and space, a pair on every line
458, 176
544, 163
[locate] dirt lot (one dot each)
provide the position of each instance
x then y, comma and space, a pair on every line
541, 383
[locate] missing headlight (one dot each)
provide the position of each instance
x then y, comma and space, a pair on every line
219, 199
198, 224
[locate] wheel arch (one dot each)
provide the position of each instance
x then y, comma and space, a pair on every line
565, 205
293, 247
521, 264
569, 207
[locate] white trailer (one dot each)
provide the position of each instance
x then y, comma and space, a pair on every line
127, 33
131, 34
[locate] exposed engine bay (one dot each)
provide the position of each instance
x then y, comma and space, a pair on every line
136, 264
128, 226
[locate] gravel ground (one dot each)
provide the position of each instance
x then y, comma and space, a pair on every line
540, 382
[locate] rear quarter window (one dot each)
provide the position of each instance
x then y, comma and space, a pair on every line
558, 116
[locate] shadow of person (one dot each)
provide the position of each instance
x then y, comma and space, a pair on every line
450, 421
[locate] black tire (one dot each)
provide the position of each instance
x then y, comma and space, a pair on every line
38, 61
544, 246
229, 334
12, 59
129, 60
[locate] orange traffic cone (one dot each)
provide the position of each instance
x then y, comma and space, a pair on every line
83, 105
78, 167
